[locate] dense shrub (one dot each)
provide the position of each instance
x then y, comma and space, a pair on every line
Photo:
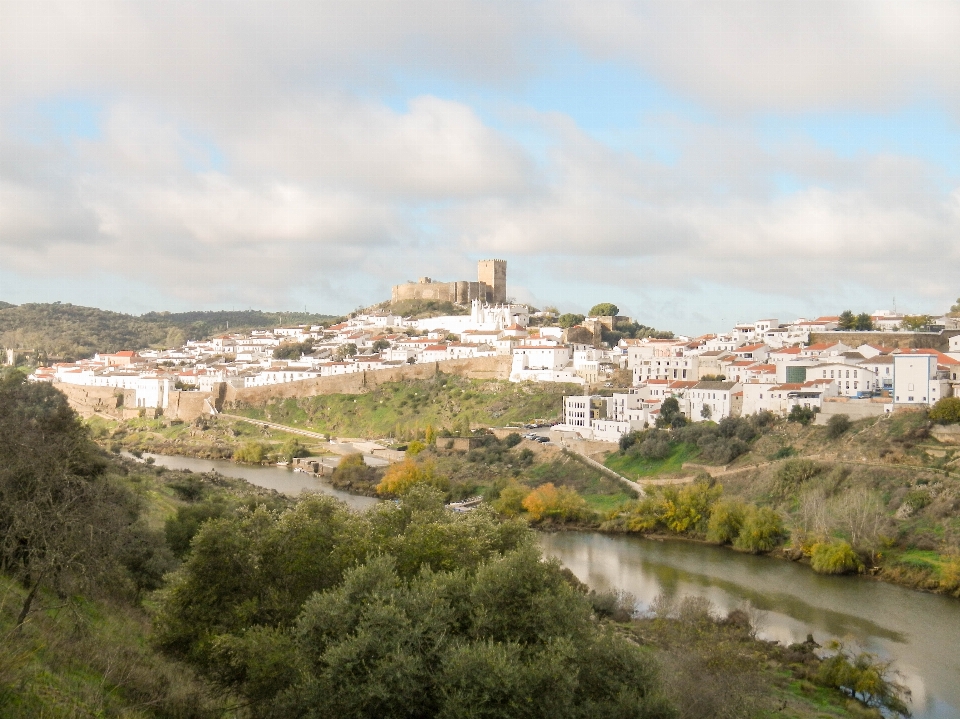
560, 503
834, 557
402, 476
803, 415
739, 427
726, 520
721, 450
512, 440
655, 445
946, 410
510, 501
837, 425
762, 531
250, 452
793, 473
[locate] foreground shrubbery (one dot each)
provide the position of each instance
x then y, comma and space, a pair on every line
405, 611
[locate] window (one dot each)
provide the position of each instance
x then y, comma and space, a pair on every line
848, 375
831, 374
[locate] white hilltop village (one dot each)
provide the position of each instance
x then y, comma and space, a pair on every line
759, 366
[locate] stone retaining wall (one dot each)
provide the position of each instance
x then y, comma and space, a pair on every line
360, 382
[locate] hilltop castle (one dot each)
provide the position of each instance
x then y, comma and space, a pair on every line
491, 287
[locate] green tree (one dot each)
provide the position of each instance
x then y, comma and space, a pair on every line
250, 452
834, 557
864, 322
63, 521
762, 531
380, 345
604, 309
669, 413
916, 323
847, 321
569, 319
946, 410
726, 520
347, 350
837, 425
955, 309
802, 415
293, 448
510, 501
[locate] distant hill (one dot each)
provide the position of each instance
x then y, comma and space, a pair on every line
66, 331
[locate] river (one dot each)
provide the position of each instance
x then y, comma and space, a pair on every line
282, 479
920, 632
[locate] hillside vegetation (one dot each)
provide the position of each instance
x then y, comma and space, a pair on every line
67, 331
878, 495
401, 409
131, 591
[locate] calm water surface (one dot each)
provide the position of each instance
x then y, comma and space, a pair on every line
920, 632
281, 479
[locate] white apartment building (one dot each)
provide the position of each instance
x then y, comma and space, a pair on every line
917, 380
717, 397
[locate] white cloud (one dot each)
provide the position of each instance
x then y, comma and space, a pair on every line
791, 55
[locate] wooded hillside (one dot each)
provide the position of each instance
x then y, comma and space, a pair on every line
67, 331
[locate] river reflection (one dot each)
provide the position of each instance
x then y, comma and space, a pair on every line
921, 632
282, 479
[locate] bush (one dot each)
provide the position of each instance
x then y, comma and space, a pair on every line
793, 473
721, 450
415, 448
656, 445
834, 557
837, 425
762, 531
726, 521
803, 415
510, 501
512, 440
292, 449
250, 452
738, 427
401, 477
864, 677
946, 410
550, 502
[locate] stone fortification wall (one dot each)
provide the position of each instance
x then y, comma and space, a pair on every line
109, 401
902, 340
188, 405
359, 382
458, 292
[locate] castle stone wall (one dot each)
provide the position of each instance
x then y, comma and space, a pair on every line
358, 382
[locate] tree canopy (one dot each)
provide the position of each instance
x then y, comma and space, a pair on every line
604, 309
569, 319
408, 610
72, 332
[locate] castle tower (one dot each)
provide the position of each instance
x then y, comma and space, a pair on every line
493, 273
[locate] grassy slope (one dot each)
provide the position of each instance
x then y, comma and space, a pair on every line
445, 401
91, 656
640, 468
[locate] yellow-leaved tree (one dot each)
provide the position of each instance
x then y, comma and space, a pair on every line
400, 477
549, 501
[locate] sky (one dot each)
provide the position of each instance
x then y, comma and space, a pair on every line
696, 163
